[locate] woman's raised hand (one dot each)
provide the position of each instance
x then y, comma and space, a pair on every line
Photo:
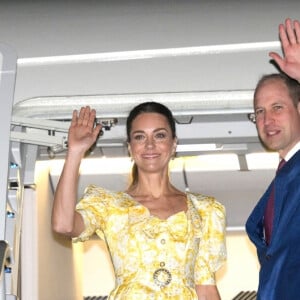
82, 132
289, 34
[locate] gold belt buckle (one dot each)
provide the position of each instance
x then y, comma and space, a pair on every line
162, 277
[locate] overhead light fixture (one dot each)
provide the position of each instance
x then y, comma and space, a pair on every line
147, 54
262, 161
198, 147
212, 162
211, 147
117, 165
122, 165
206, 162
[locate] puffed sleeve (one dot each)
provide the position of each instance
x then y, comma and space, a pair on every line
212, 246
93, 211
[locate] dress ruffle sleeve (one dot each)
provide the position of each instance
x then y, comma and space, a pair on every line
212, 246
92, 207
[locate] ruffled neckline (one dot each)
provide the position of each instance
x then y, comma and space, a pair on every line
177, 224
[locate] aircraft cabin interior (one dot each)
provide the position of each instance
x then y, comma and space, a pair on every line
200, 58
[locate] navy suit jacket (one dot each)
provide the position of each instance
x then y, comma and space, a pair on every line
279, 276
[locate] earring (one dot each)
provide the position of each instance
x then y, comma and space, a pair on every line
173, 155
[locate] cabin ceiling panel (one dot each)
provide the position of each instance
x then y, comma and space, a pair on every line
211, 72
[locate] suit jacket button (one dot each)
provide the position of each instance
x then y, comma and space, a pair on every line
268, 257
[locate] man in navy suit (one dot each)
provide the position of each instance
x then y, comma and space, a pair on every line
277, 118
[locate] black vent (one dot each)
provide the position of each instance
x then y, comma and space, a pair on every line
95, 298
245, 296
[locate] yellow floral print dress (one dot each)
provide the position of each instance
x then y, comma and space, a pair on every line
154, 258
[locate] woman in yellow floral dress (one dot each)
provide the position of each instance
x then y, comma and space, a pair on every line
164, 243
